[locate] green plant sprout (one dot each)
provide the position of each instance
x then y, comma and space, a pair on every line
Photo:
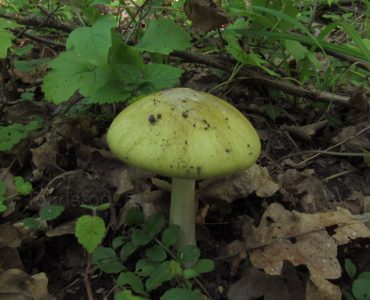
360, 282
161, 263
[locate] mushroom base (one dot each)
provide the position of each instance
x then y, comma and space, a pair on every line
182, 210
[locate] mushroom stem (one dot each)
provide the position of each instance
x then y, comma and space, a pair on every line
182, 210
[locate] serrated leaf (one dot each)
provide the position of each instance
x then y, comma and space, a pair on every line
6, 36
70, 74
134, 216
188, 254
164, 36
170, 235
140, 237
90, 231
154, 224
181, 294
161, 76
130, 279
106, 260
51, 212
92, 44
350, 268
296, 49
156, 253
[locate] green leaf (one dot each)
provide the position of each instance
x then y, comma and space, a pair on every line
31, 223
140, 237
11, 135
144, 267
111, 92
127, 295
120, 53
3, 188
188, 254
360, 289
6, 36
166, 271
181, 294
364, 275
164, 36
350, 268
92, 44
118, 242
189, 273
273, 111
357, 39
161, 76
22, 187
170, 235
296, 49
204, 265
90, 231
130, 279
134, 216
70, 74
106, 260
154, 224
51, 212
156, 253
127, 250
366, 157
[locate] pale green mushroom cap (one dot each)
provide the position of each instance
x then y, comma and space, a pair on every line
185, 134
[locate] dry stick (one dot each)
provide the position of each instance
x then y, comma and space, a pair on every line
39, 39
254, 77
90, 294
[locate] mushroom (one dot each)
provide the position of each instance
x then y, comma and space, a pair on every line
186, 135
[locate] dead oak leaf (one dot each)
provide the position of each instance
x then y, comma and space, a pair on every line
307, 131
255, 179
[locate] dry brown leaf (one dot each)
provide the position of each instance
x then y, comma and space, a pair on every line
255, 284
318, 288
205, 15
9, 259
307, 131
18, 285
354, 142
9, 236
255, 179
305, 188
63, 229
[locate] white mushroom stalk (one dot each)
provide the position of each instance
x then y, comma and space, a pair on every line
186, 135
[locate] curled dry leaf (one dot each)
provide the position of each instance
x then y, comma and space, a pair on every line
354, 142
302, 239
22, 286
206, 15
255, 179
307, 131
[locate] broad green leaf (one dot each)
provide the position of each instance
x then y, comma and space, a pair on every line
13, 134
127, 249
106, 260
69, 74
90, 231
364, 275
161, 76
6, 36
134, 216
120, 53
295, 49
154, 224
360, 289
204, 265
188, 254
145, 267
31, 223
29, 65
189, 273
170, 235
92, 44
156, 253
181, 294
164, 36
127, 295
51, 212
350, 268
23, 50
21, 186
111, 92
118, 242
165, 272
130, 279
140, 237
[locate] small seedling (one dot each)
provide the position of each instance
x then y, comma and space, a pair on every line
22, 188
47, 213
360, 283
160, 263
